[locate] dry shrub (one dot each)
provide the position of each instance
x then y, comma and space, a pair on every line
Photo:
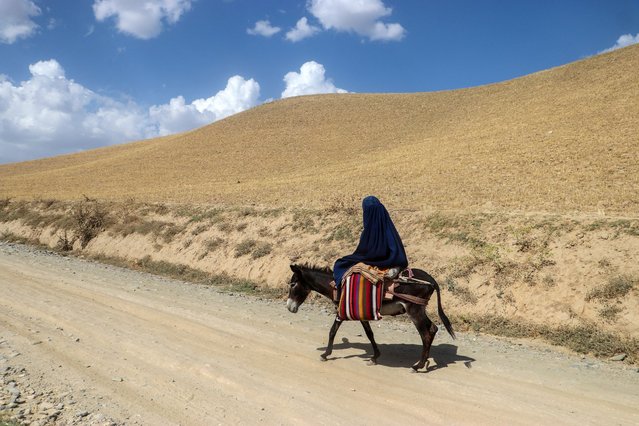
255, 248
349, 205
65, 243
341, 232
4, 203
90, 219
463, 293
245, 247
262, 249
10, 237
303, 220
160, 209
210, 245
170, 231
213, 244
610, 312
617, 286
135, 225
199, 229
46, 203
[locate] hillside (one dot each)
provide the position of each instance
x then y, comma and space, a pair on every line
562, 140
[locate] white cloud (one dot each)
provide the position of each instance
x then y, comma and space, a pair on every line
50, 68
302, 30
178, 116
310, 80
49, 114
141, 18
623, 41
361, 17
15, 19
263, 28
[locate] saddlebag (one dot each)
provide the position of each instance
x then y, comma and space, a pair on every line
361, 296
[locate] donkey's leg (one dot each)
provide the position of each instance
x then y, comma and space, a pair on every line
427, 331
331, 338
371, 337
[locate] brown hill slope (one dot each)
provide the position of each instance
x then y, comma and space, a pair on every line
561, 140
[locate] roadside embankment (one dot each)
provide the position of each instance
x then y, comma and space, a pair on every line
569, 279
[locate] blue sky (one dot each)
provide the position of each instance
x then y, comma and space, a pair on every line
76, 75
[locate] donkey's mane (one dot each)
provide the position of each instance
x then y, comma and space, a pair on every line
307, 265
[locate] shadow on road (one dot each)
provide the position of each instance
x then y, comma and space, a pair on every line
402, 355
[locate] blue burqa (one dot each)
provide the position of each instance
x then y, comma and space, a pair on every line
379, 245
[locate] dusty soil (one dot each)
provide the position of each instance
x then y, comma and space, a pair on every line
86, 343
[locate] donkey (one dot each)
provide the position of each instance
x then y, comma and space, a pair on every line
307, 278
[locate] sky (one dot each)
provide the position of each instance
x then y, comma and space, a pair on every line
80, 74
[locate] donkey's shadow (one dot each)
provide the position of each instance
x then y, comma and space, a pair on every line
403, 355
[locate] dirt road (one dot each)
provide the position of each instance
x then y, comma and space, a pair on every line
94, 344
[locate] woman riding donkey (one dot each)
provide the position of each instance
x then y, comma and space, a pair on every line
379, 245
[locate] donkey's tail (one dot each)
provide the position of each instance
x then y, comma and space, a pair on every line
441, 313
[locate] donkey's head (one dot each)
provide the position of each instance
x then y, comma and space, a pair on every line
298, 289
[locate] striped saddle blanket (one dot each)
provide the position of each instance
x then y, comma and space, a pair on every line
361, 297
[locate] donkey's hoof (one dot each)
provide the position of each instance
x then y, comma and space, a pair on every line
323, 357
418, 366
372, 361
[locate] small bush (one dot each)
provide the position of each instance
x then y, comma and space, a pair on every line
10, 237
170, 231
461, 292
610, 312
524, 241
211, 216
341, 233
154, 227
245, 247
343, 205
64, 242
264, 232
464, 266
90, 219
438, 222
209, 246
160, 209
4, 203
214, 244
199, 229
548, 281
303, 221
225, 226
617, 286
46, 204
261, 250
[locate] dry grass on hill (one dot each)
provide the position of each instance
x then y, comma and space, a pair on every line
561, 140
